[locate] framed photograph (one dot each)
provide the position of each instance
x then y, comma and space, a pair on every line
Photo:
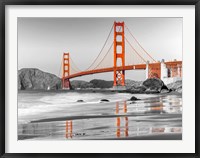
113, 78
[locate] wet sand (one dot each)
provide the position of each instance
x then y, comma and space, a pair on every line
155, 118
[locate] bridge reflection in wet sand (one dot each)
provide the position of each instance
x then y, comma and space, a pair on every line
118, 126
153, 118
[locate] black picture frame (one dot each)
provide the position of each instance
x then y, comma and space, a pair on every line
3, 3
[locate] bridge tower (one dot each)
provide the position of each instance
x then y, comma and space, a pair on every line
119, 55
65, 71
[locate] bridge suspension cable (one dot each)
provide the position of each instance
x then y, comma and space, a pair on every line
139, 43
104, 55
74, 71
101, 48
74, 66
135, 50
103, 60
59, 73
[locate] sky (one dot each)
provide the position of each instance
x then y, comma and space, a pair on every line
42, 41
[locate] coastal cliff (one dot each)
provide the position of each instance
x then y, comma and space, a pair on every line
35, 79
151, 85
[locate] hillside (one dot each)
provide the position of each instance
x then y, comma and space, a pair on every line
35, 79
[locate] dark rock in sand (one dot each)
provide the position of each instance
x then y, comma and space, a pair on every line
133, 98
80, 100
35, 79
104, 100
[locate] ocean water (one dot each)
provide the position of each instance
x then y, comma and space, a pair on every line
56, 115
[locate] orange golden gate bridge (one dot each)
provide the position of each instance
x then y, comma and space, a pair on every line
118, 58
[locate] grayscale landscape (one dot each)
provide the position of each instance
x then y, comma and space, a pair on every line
89, 94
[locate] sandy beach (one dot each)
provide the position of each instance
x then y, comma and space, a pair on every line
154, 117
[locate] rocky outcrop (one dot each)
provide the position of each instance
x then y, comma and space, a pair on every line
154, 85
134, 86
131, 83
151, 85
176, 86
35, 79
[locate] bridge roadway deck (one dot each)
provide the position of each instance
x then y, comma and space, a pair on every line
128, 67
110, 69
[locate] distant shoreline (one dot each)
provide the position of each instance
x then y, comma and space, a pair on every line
36, 80
94, 91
